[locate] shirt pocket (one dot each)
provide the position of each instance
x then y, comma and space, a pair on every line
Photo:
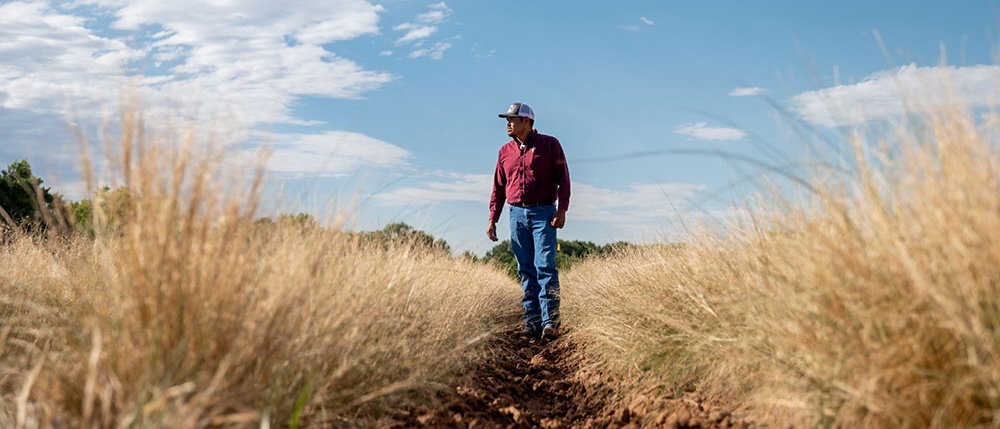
512, 167
539, 162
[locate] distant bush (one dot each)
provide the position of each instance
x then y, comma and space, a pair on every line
25, 204
568, 254
105, 211
395, 235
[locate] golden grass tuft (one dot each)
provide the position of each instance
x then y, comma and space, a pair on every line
871, 303
187, 314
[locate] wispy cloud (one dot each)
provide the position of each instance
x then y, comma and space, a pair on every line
435, 52
229, 66
747, 91
440, 187
638, 213
249, 60
891, 94
414, 32
702, 131
650, 212
480, 53
634, 27
47, 55
422, 28
639, 203
332, 153
438, 13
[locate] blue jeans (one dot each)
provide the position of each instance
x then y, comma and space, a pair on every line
533, 239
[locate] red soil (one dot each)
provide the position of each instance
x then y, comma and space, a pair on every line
522, 383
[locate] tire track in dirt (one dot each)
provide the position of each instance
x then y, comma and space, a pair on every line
526, 383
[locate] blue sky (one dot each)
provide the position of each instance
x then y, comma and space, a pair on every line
387, 110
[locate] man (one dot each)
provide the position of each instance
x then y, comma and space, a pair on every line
532, 175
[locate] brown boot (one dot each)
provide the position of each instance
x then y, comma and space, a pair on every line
550, 333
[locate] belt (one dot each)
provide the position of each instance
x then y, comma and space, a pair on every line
527, 205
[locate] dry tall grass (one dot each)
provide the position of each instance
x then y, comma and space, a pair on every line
187, 315
875, 302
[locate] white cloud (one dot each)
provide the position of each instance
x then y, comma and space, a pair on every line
426, 25
49, 58
640, 213
487, 54
702, 131
641, 203
648, 212
332, 153
194, 21
438, 13
890, 94
750, 91
414, 32
635, 28
435, 52
246, 61
442, 187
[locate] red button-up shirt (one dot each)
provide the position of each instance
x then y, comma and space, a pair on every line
536, 173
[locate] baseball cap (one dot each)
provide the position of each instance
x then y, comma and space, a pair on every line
518, 109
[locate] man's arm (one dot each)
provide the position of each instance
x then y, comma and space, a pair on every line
497, 198
559, 220
563, 190
491, 230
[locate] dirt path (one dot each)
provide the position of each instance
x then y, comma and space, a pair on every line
525, 383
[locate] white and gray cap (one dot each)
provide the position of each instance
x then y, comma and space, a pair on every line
518, 109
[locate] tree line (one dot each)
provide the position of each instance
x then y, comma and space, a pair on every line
568, 253
28, 206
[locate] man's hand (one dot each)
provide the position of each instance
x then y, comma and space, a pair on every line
559, 220
491, 231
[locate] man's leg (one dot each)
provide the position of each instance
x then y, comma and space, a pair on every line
522, 243
544, 235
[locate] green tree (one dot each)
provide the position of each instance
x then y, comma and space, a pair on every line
568, 253
263, 224
612, 248
25, 202
303, 221
107, 210
502, 255
571, 252
470, 256
395, 234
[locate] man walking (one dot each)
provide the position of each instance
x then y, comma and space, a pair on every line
532, 175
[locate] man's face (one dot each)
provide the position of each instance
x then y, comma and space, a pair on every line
517, 125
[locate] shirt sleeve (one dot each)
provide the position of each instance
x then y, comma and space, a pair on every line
562, 177
499, 195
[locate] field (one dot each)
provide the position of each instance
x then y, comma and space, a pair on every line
867, 300
870, 302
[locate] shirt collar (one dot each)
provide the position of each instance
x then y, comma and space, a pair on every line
530, 139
